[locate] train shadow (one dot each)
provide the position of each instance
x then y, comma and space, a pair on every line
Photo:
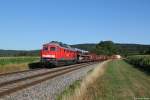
37, 65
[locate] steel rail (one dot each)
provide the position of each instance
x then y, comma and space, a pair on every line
37, 75
50, 75
17, 72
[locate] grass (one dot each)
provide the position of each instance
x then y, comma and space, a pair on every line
141, 61
70, 90
121, 81
11, 64
17, 60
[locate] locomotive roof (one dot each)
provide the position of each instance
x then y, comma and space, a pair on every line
61, 45
66, 46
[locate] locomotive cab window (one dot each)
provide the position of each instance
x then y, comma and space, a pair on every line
53, 49
45, 48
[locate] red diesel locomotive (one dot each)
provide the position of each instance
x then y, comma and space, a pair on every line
57, 53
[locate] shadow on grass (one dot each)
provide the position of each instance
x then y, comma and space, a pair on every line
37, 65
145, 69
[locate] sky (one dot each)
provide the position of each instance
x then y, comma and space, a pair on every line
27, 24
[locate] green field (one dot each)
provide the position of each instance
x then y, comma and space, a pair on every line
141, 61
11, 64
121, 81
17, 60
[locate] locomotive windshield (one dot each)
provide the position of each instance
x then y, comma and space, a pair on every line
52, 49
45, 48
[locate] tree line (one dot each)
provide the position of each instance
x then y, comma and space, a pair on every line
110, 48
101, 48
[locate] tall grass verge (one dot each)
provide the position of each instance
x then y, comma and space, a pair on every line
141, 61
13, 64
13, 68
79, 92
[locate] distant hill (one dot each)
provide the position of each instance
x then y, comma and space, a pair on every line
128, 49
132, 49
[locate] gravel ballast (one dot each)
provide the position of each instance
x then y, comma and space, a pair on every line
49, 89
6, 78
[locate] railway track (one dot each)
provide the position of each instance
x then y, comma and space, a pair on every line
15, 85
11, 73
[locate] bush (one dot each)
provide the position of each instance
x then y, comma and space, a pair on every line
142, 61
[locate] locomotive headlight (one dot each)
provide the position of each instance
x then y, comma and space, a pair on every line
49, 56
52, 56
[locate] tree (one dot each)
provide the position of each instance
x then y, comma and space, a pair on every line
148, 51
106, 48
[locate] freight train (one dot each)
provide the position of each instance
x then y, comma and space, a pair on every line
57, 53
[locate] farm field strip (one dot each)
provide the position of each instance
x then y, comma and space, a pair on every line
142, 61
16, 85
14, 64
17, 60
